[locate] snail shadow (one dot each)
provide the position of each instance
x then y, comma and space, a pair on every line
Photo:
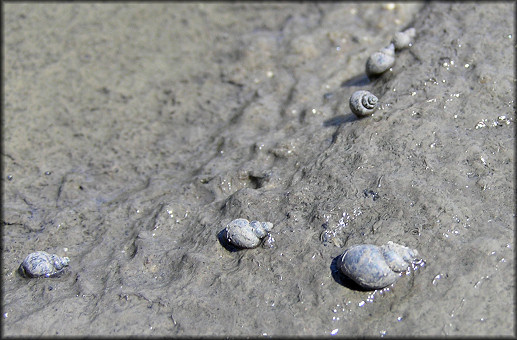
339, 120
22, 272
359, 80
342, 279
27, 275
223, 240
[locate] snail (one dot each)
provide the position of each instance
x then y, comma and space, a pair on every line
245, 234
43, 264
403, 39
374, 267
363, 103
380, 61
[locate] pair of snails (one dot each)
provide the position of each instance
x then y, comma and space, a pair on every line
370, 266
239, 232
363, 103
381, 61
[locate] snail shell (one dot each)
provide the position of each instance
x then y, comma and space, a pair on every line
403, 39
41, 263
374, 267
379, 62
245, 234
363, 103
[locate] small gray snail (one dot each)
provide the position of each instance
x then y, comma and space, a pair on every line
380, 61
363, 103
403, 39
245, 234
374, 267
43, 264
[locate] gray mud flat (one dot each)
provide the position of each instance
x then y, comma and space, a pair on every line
133, 133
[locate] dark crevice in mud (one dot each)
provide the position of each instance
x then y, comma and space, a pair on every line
240, 111
151, 223
302, 116
321, 13
133, 249
257, 182
231, 82
60, 189
219, 145
288, 100
417, 58
334, 136
284, 24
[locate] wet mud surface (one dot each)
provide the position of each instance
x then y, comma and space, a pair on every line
134, 133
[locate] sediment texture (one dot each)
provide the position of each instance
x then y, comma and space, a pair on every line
133, 133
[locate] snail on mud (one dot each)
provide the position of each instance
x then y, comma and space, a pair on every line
374, 267
43, 264
363, 103
245, 234
379, 62
403, 39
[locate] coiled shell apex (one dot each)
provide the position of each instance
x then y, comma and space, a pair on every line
403, 39
381, 61
43, 264
363, 103
245, 234
374, 267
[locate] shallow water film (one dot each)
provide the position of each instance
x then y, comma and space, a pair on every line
134, 133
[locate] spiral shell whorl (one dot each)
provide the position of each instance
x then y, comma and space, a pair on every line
363, 103
381, 61
369, 102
